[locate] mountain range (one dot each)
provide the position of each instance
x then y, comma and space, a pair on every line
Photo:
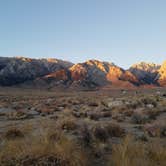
92, 74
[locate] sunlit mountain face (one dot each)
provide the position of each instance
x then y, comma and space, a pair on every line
90, 74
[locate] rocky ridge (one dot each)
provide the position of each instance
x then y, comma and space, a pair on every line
54, 73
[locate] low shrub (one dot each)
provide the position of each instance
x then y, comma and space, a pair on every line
14, 133
38, 150
68, 124
17, 115
114, 130
100, 133
86, 136
149, 100
139, 118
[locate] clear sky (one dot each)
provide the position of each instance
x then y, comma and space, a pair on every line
120, 31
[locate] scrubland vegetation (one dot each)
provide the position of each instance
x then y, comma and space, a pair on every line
83, 128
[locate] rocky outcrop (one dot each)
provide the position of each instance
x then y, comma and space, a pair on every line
145, 72
92, 71
161, 77
101, 73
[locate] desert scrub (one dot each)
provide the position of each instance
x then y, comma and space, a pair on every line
68, 124
106, 114
79, 114
128, 152
17, 115
135, 153
85, 136
93, 104
148, 100
139, 118
39, 150
119, 117
100, 133
114, 130
106, 131
153, 113
13, 133
134, 104
157, 153
94, 116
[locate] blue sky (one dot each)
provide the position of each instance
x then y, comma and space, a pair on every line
120, 31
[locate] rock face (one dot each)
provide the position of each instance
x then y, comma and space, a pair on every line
19, 69
161, 77
91, 74
145, 72
92, 71
99, 73
54, 73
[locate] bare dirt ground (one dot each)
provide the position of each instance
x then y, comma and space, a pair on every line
111, 127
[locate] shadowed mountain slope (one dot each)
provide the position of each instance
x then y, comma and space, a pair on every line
19, 69
145, 72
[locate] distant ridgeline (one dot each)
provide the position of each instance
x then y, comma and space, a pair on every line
55, 73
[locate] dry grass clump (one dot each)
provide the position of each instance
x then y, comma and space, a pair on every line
142, 102
131, 152
94, 116
127, 153
47, 111
93, 104
157, 154
17, 115
152, 113
139, 118
119, 117
114, 130
128, 112
86, 136
106, 131
14, 133
79, 114
42, 150
68, 124
106, 114
134, 104
97, 115
100, 133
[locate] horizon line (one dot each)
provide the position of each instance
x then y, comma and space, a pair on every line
76, 62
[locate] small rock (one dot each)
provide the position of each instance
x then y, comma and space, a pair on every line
124, 91
150, 106
33, 113
158, 92
49, 101
114, 104
33, 109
